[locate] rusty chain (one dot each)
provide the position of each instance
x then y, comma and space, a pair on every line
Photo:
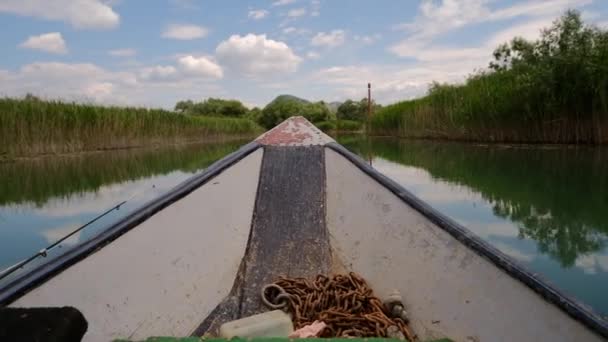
344, 302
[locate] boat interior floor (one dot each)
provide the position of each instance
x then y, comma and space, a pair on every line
288, 236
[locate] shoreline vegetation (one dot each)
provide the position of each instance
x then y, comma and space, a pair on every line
32, 127
553, 90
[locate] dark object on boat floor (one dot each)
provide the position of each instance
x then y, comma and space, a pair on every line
64, 324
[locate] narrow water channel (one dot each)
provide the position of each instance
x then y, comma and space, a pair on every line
547, 207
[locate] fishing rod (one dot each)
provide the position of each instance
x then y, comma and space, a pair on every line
43, 252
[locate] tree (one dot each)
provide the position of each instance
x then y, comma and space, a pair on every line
279, 110
315, 112
349, 110
357, 111
254, 114
184, 106
568, 56
213, 107
232, 108
284, 107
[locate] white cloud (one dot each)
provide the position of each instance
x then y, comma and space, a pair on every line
445, 15
479, 55
293, 30
99, 90
86, 82
256, 55
368, 39
329, 39
82, 14
439, 54
49, 42
547, 8
530, 30
283, 2
390, 83
184, 32
438, 18
313, 55
257, 14
201, 66
296, 12
5, 75
56, 69
159, 73
80, 81
187, 66
435, 19
122, 53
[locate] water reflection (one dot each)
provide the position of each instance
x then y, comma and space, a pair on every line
44, 199
36, 181
547, 207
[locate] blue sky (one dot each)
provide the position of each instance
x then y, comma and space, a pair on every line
154, 53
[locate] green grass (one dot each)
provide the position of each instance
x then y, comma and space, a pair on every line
554, 90
31, 126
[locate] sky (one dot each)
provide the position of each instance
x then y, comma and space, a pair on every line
154, 53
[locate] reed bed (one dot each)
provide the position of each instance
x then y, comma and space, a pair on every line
32, 126
554, 90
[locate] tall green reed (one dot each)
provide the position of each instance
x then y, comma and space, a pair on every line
31, 126
553, 90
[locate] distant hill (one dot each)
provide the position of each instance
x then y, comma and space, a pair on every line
333, 106
286, 97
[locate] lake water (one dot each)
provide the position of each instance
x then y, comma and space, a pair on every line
547, 207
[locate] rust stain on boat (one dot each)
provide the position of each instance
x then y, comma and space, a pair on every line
295, 131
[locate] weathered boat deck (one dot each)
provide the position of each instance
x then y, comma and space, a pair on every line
288, 233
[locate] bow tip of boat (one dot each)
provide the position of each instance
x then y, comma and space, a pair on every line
294, 131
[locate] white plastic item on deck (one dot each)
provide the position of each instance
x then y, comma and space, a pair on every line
268, 324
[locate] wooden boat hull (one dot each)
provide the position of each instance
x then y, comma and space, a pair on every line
295, 203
